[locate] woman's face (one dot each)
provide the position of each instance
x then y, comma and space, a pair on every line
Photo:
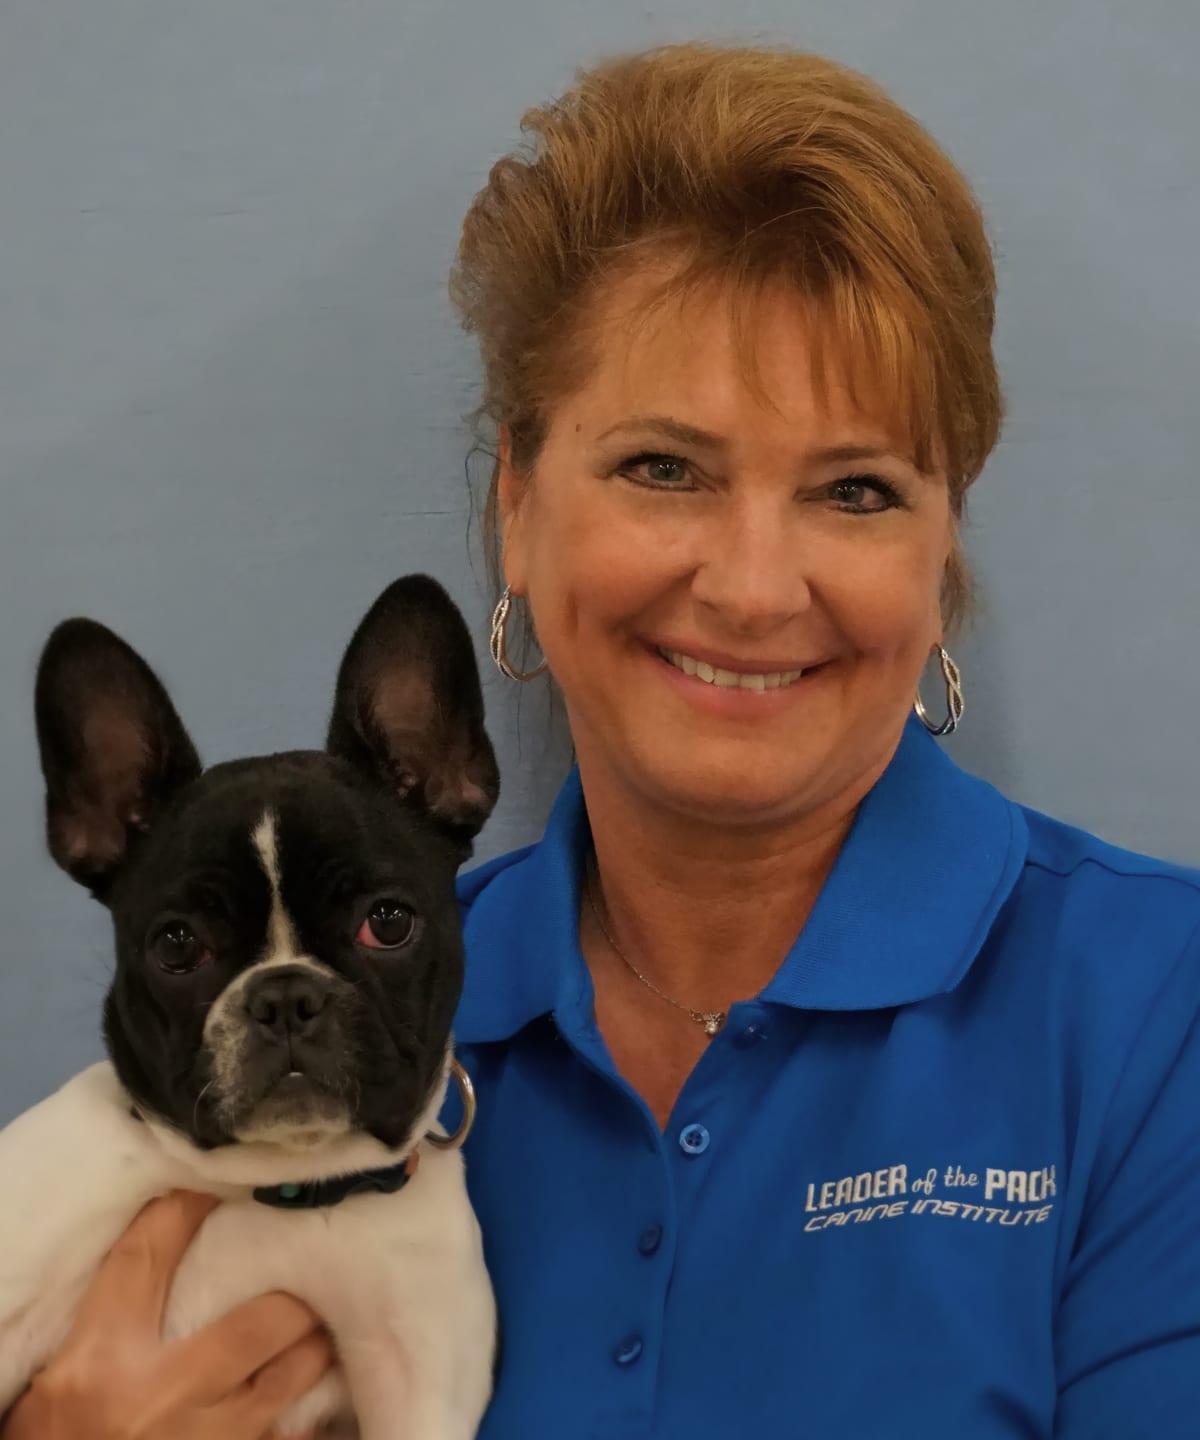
736, 586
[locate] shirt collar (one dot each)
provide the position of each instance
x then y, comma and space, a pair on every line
930, 859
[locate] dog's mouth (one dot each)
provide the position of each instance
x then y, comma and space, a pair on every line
299, 1088
293, 1107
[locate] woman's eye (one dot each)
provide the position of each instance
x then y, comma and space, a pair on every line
657, 471
178, 950
865, 494
389, 924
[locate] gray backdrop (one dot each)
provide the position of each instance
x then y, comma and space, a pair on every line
231, 386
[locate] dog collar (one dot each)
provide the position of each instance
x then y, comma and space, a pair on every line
317, 1194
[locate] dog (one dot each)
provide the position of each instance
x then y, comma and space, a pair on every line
288, 965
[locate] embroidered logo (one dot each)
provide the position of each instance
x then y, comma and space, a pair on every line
1003, 1197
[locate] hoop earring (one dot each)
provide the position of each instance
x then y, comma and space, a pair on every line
466, 1093
499, 641
955, 704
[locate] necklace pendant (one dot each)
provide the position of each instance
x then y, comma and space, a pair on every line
712, 1020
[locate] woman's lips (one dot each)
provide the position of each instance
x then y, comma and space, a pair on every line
725, 673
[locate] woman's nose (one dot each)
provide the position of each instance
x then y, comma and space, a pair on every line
753, 571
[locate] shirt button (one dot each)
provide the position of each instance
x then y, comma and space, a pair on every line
750, 1035
693, 1139
650, 1239
628, 1351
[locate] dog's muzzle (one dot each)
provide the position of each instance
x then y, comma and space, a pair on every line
277, 1041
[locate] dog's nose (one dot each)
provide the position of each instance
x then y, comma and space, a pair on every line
288, 1002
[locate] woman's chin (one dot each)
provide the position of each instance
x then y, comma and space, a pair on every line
714, 789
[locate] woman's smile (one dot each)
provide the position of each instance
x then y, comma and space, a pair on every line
726, 673
736, 691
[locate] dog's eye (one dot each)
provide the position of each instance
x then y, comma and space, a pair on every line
178, 950
388, 925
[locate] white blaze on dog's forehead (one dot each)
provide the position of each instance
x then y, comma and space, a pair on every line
281, 934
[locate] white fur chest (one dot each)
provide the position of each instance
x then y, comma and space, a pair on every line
398, 1279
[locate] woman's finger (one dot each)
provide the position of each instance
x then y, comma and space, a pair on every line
205, 1367
134, 1279
266, 1396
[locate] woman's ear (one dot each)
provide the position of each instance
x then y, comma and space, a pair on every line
510, 497
956, 592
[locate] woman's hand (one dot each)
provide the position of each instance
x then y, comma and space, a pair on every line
115, 1379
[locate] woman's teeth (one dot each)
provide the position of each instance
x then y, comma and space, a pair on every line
729, 679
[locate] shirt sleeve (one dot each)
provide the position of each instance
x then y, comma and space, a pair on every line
1128, 1323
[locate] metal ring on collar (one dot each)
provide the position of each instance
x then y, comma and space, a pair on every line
467, 1093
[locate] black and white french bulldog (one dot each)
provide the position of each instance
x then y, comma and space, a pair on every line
288, 963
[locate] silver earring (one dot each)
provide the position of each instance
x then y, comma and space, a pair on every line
499, 641
955, 704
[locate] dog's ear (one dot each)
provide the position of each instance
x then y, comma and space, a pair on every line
112, 749
409, 708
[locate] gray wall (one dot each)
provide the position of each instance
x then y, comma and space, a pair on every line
231, 387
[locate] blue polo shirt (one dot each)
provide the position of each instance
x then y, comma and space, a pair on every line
941, 1178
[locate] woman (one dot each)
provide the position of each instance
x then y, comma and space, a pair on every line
823, 1090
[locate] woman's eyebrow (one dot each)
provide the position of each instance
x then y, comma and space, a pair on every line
832, 453
705, 439
673, 429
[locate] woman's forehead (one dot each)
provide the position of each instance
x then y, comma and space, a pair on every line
713, 356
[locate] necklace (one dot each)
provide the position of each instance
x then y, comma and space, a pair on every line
712, 1020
